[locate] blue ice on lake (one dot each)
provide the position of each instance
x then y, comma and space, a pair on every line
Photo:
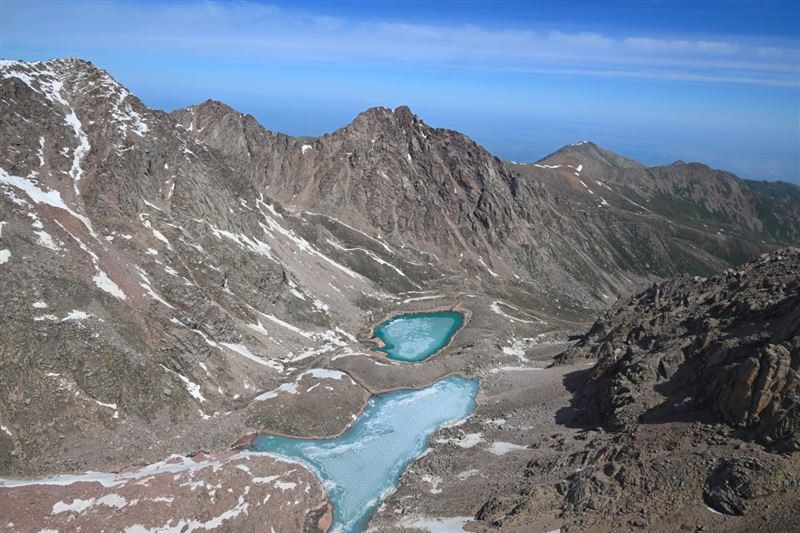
362, 466
416, 336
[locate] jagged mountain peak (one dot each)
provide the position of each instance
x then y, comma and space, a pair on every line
585, 152
213, 105
64, 62
384, 120
64, 70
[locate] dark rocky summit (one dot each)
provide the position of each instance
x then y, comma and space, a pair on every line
173, 281
729, 344
696, 381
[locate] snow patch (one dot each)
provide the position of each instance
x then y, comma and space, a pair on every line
323, 373
370, 254
242, 350
453, 524
495, 306
39, 196
76, 315
502, 448
46, 240
467, 441
105, 283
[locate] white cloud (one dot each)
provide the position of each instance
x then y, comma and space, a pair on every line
261, 32
647, 44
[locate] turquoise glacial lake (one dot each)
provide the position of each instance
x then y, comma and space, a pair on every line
416, 336
363, 465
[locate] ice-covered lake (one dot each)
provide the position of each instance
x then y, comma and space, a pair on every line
362, 466
416, 336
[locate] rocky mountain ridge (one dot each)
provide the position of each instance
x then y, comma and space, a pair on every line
729, 343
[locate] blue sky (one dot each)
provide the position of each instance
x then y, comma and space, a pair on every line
717, 82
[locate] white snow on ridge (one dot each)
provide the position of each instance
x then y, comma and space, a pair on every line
46, 240
517, 349
242, 240
172, 464
306, 148
301, 243
39, 196
40, 152
453, 524
80, 152
511, 368
379, 240
121, 111
50, 85
467, 441
4, 256
145, 284
289, 388
157, 234
494, 274
290, 327
371, 255
293, 388
100, 278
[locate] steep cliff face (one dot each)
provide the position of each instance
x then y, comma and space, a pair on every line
729, 344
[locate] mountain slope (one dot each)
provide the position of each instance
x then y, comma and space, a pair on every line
695, 194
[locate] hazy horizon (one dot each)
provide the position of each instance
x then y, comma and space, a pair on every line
657, 81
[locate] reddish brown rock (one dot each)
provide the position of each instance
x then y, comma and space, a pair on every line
236, 491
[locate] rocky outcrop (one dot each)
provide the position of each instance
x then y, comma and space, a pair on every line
738, 484
228, 492
728, 344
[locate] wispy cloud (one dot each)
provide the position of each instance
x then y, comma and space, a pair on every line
259, 31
